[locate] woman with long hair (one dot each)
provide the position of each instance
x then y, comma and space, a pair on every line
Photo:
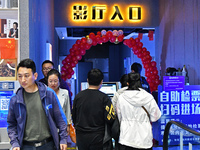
136, 109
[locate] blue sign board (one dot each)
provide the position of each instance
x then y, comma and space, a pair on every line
182, 106
7, 85
173, 83
4, 102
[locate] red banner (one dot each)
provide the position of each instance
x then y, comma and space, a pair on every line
140, 36
7, 49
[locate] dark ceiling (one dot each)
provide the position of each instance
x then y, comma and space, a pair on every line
80, 32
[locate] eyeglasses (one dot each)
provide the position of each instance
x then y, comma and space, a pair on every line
53, 81
46, 69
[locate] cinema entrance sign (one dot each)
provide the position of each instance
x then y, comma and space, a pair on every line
83, 14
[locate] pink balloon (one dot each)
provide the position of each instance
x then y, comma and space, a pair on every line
103, 32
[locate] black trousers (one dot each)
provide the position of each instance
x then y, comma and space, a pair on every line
124, 147
89, 141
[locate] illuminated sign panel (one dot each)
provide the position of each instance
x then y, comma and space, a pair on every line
179, 105
86, 13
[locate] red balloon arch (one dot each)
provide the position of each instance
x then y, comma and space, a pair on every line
80, 47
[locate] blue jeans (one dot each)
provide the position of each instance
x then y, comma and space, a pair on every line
48, 146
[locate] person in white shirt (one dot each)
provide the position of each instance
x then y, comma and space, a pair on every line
53, 78
135, 123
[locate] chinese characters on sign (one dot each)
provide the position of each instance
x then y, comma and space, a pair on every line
99, 13
180, 105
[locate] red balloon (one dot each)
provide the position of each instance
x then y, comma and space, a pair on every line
148, 80
82, 52
76, 61
148, 57
157, 82
143, 59
75, 46
78, 42
155, 72
100, 41
63, 68
99, 33
72, 64
69, 70
67, 59
87, 46
72, 72
78, 57
104, 38
146, 66
112, 39
137, 40
152, 77
94, 42
144, 49
148, 74
151, 68
127, 42
140, 44
64, 61
153, 63
139, 55
63, 72
148, 53
72, 54
92, 35
133, 42
74, 58
136, 51
77, 53
82, 45
98, 37
83, 40
69, 76
64, 77
67, 65
109, 34
140, 50
135, 48
157, 76
71, 50
120, 38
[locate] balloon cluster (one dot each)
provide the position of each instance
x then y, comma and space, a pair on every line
151, 71
85, 43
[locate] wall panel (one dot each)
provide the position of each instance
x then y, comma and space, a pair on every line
178, 36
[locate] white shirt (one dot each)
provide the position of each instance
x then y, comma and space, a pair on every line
63, 97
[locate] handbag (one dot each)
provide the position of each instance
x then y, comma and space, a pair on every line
115, 129
72, 133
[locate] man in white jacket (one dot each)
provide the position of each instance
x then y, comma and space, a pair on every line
135, 124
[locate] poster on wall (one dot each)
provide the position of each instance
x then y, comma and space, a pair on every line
179, 105
8, 69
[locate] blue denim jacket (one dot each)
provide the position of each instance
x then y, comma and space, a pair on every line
17, 116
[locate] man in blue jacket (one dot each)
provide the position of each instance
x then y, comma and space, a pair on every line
35, 114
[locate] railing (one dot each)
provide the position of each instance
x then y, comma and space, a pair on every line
179, 124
